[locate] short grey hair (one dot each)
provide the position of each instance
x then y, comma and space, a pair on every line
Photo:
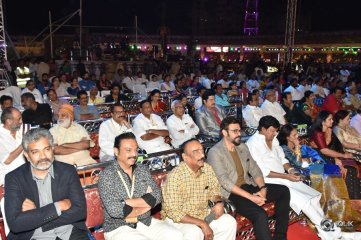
174, 103
35, 135
7, 114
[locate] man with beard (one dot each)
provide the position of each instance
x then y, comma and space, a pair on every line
11, 135
44, 198
36, 113
128, 193
242, 182
111, 128
71, 140
186, 194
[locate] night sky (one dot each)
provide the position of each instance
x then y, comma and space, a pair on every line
30, 17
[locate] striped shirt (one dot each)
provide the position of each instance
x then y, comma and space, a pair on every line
187, 193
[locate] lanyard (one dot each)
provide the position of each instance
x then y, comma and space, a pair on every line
130, 194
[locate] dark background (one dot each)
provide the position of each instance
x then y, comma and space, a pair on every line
183, 17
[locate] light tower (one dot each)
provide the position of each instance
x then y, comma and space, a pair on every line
251, 18
3, 53
290, 30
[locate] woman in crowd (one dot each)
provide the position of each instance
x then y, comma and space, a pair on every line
309, 109
335, 199
348, 136
233, 91
157, 105
115, 96
243, 91
167, 85
60, 91
104, 83
64, 81
331, 150
74, 87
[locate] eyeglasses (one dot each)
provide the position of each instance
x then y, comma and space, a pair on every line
235, 130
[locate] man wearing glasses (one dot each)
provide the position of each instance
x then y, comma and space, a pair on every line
186, 193
111, 128
181, 126
243, 183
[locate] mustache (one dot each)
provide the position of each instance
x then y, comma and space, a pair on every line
202, 159
133, 157
44, 160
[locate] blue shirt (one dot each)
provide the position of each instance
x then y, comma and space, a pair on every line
222, 101
89, 110
86, 84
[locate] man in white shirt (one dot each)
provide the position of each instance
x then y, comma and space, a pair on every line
252, 113
11, 135
139, 79
181, 126
152, 134
153, 83
356, 121
271, 107
110, 129
199, 102
317, 88
207, 81
128, 82
266, 151
252, 84
71, 140
302, 87
297, 95
30, 87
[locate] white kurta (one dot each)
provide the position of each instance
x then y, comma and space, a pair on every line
252, 115
108, 130
8, 144
186, 124
272, 160
141, 124
275, 110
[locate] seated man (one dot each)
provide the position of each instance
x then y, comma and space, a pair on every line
181, 126
94, 99
5, 102
11, 135
36, 113
252, 113
128, 193
220, 98
30, 87
242, 182
186, 193
268, 154
333, 102
209, 116
271, 107
44, 198
54, 102
111, 128
198, 101
292, 114
71, 140
85, 111
152, 134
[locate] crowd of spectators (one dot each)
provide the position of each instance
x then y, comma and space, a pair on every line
326, 99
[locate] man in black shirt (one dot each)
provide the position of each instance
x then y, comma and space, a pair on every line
36, 113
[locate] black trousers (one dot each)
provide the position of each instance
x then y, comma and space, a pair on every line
77, 234
257, 215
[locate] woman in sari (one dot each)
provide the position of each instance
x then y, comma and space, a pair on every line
335, 199
348, 136
157, 105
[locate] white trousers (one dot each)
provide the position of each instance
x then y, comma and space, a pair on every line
158, 230
224, 228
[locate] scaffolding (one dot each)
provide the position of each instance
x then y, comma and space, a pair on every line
251, 18
3, 53
290, 30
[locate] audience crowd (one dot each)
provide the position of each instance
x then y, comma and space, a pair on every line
256, 154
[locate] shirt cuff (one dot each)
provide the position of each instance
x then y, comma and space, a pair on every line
56, 204
127, 210
149, 199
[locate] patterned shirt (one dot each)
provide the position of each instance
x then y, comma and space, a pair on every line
187, 193
112, 191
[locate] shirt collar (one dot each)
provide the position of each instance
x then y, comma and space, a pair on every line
50, 172
201, 170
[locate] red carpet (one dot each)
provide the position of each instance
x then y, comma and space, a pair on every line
299, 232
